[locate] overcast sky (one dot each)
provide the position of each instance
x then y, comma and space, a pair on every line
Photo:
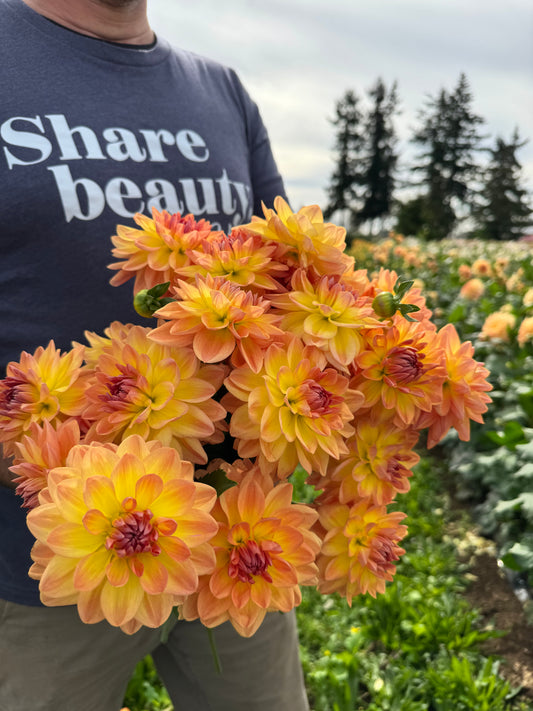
298, 57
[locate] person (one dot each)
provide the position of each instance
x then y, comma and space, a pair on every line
99, 120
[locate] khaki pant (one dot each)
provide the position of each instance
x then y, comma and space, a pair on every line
51, 661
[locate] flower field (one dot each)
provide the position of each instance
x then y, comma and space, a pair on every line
419, 645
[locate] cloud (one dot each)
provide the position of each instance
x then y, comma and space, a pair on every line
297, 58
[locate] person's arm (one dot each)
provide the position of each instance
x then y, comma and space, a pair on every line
6, 477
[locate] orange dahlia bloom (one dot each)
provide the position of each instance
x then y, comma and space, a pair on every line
481, 267
215, 317
378, 465
310, 240
296, 410
401, 371
122, 532
155, 391
43, 448
325, 314
473, 289
264, 551
154, 252
497, 326
242, 258
359, 548
464, 392
46, 386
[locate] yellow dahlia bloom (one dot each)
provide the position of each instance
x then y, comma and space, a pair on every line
527, 299
359, 548
264, 551
154, 252
401, 371
46, 386
525, 330
296, 410
464, 393
378, 465
310, 240
155, 391
242, 258
498, 325
216, 317
325, 314
43, 448
122, 532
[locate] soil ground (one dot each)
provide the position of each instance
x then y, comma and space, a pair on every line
491, 593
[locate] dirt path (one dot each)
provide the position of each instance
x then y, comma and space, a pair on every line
491, 593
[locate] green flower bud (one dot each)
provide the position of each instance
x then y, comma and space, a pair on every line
385, 304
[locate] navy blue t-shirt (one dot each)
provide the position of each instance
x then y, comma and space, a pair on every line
90, 134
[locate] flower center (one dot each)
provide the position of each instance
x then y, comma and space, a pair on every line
248, 560
118, 386
404, 364
134, 533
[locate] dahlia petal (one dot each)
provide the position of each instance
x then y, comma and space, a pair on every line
119, 605
118, 571
43, 519
89, 607
127, 471
261, 592
154, 610
175, 548
99, 494
213, 346
147, 489
251, 501
91, 569
72, 540
155, 576
240, 594
57, 580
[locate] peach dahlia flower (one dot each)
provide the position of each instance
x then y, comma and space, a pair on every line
359, 548
154, 252
310, 240
122, 532
264, 551
155, 391
47, 386
296, 410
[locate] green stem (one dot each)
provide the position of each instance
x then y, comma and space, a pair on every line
214, 652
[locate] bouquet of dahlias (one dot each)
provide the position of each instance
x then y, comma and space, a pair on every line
272, 351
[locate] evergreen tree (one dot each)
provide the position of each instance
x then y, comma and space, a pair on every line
343, 191
449, 137
381, 158
504, 210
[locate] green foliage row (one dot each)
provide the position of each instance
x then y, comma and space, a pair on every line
417, 646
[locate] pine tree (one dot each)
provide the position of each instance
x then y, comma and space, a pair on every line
381, 158
449, 137
504, 211
343, 193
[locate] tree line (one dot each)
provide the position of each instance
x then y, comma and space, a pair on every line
448, 181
